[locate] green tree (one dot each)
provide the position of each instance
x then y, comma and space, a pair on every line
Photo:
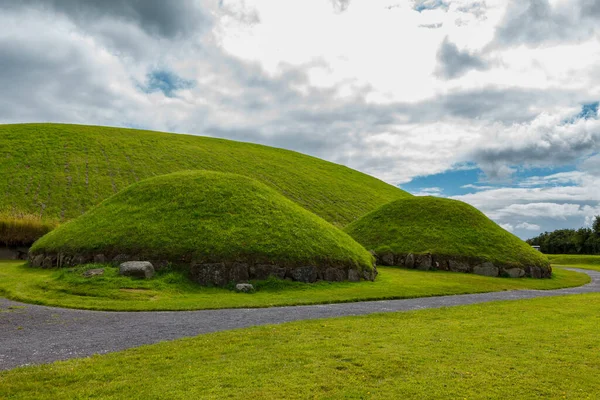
596, 225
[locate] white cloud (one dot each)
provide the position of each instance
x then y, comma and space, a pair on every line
432, 191
507, 227
352, 82
528, 226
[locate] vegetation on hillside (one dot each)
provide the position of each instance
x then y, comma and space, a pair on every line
56, 172
206, 217
530, 349
422, 225
570, 241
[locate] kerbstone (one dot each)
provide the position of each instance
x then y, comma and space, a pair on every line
140, 269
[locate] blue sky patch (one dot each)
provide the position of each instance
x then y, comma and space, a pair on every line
470, 179
165, 81
423, 5
588, 111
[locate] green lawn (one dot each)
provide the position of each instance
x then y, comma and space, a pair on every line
173, 291
530, 349
576, 261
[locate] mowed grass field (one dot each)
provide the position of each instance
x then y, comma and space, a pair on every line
576, 261
56, 172
530, 349
172, 290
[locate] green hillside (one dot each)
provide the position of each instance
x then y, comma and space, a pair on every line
202, 218
56, 172
446, 228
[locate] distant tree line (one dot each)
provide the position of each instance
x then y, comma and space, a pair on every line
570, 241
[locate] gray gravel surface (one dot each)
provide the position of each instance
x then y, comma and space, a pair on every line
31, 334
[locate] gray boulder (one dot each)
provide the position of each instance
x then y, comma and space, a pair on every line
244, 287
423, 262
387, 259
535, 272
353, 275
36, 261
306, 274
93, 272
515, 272
410, 261
139, 269
486, 269
335, 275
458, 266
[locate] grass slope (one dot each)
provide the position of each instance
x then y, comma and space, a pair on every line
56, 172
533, 349
421, 225
206, 217
172, 290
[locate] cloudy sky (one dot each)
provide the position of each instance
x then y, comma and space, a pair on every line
491, 102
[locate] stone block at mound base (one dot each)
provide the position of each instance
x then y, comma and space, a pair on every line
472, 265
244, 288
221, 274
138, 269
486, 269
93, 272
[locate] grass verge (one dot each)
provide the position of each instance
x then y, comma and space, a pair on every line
173, 291
576, 261
530, 349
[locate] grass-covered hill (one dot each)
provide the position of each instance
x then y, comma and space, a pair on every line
455, 234
225, 226
55, 172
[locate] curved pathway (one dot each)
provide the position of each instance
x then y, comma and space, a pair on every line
31, 334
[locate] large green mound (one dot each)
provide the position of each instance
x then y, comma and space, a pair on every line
56, 172
430, 232
225, 226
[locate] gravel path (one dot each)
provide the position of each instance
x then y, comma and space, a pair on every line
32, 334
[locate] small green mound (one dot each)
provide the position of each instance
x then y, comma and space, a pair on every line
455, 235
56, 172
225, 226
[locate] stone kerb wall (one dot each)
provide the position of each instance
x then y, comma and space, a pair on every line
472, 265
217, 273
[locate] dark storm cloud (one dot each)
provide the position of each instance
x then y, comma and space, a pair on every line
534, 22
168, 19
590, 8
453, 63
62, 85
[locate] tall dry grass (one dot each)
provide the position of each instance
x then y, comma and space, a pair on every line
23, 230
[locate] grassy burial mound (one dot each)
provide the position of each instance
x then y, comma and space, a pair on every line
53, 172
226, 227
429, 232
